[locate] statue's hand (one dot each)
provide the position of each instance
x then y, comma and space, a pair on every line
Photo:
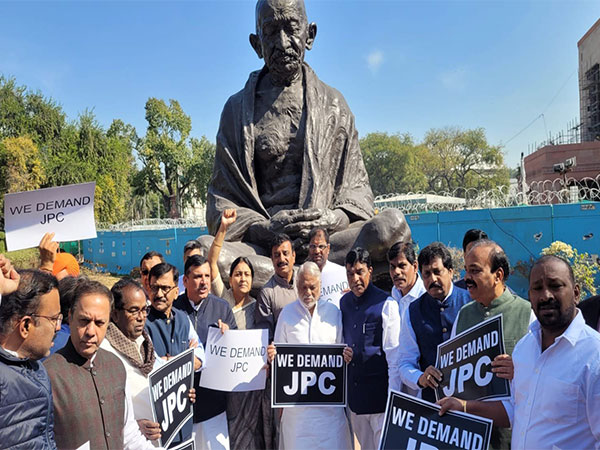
305, 220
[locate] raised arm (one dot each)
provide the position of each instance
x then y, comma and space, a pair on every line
227, 218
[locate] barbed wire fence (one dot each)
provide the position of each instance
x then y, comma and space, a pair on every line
559, 190
537, 193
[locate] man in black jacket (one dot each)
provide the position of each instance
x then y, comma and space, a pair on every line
205, 310
29, 318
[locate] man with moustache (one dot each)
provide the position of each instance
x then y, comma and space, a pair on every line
311, 320
428, 321
371, 324
29, 318
469, 239
127, 339
404, 272
280, 289
205, 310
487, 269
334, 283
170, 330
91, 404
555, 396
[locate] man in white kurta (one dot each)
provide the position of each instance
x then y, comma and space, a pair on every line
310, 320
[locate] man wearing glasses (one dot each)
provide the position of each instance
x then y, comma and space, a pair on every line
29, 318
127, 339
334, 282
170, 329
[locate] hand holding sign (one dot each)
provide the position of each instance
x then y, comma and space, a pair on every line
48, 249
271, 352
348, 354
150, 430
503, 367
430, 378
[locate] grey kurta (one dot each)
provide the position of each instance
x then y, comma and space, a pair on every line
333, 172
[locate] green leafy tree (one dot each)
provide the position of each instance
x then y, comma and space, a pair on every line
175, 166
20, 167
391, 161
454, 158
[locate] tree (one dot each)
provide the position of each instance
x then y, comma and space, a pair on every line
453, 158
89, 153
26, 113
174, 165
391, 162
20, 167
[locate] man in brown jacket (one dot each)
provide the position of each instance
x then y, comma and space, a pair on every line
88, 383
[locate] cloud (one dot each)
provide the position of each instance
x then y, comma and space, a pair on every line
374, 60
454, 79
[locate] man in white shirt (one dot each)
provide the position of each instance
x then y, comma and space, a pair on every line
555, 400
127, 339
311, 320
334, 283
404, 272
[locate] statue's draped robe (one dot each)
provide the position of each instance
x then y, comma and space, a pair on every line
333, 172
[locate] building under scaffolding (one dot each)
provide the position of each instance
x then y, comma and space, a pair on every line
589, 83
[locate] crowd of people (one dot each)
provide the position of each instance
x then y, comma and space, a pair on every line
75, 356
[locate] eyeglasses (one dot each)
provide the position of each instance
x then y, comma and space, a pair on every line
56, 320
145, 271
320, 247
165, 289
136, 311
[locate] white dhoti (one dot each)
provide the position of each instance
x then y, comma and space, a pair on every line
314, 427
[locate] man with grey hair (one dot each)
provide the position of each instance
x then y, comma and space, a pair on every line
311, 320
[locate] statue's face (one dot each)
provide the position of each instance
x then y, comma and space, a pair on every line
283, 32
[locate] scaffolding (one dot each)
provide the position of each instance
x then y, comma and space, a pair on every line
590, 103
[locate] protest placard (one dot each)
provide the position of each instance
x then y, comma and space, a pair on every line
312, 374
465, 363
414, 424
187, 445
235, 360
68, 211
334, 284
169, 386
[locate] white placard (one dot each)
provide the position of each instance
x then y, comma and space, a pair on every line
334, 283
235, 360
68, 211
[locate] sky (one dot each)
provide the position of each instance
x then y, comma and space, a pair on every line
507, 66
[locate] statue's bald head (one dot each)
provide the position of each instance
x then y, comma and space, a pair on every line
288, 8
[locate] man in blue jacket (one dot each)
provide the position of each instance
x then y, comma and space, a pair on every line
428, 321
371, 326
29, 318
205, 310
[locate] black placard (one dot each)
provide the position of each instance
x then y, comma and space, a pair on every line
414, 424
187, 445
169, 386
309, 375
465, 363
